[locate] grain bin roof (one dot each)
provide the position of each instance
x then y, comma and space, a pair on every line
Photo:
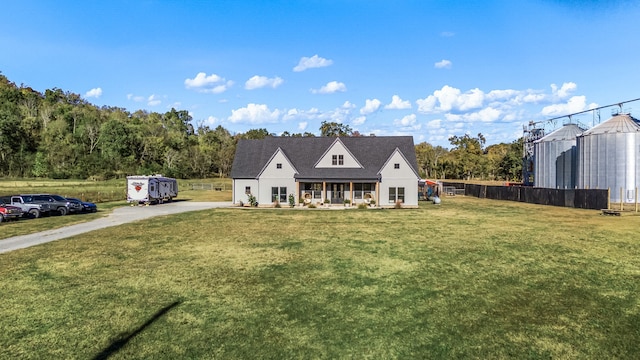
567, 132
621, 123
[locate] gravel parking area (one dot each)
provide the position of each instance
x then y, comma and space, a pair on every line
119, 216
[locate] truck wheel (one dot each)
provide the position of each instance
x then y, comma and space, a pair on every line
62, 211
1, 218
34, 213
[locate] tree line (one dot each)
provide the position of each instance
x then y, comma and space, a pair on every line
58, 134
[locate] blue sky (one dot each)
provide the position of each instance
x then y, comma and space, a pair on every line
430, 69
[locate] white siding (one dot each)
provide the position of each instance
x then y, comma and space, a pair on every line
272, 176
239, 188
338, 149
403, 177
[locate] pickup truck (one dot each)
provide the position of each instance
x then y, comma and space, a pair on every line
27, 205
9, 212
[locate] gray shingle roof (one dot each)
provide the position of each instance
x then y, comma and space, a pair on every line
303, 152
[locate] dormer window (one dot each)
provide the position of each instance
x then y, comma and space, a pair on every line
396, 166
337, 160
278, 166
340, 159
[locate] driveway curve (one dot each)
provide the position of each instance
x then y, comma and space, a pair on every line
117, 217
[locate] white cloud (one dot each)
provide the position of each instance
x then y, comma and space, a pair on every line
487, 114
340, 114
451, 99
370, 106
257, 82
208, 84
565, 90
573, 105
302, 126
359, 120
434, 124
93, 93
533, 98
330, 88
211, 120
348, 105
313, 62
254, 114
153, 100
135, 98
443, 64
398, 104
447, 34
408, 120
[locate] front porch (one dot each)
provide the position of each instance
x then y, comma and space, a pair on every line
338, 192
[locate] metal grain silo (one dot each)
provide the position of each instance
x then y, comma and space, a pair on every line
555, 162
608, 157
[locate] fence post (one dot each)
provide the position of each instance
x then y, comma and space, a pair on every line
608, 198
636, 204
621, 202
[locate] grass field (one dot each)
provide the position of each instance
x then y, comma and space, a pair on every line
470, 278
108, 194
97, 191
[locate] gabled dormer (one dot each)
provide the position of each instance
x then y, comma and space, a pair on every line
278, 166
338, 156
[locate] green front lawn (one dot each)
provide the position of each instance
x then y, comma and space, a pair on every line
470, 278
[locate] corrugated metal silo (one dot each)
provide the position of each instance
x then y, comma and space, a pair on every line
608, 157
555, 162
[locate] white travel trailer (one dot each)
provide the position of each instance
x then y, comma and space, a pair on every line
143, 189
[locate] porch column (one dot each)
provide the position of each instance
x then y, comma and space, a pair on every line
351, 192
298, 197
378, 194
324, 190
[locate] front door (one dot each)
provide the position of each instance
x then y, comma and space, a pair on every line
337, 193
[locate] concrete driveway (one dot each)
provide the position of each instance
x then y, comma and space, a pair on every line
119, 216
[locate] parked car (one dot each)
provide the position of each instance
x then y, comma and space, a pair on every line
10, 212
26, 203
73, 207
85, 205
58, 204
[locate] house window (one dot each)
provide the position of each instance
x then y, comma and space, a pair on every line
340, 159
312, 190
363, 191
279, 194
337, 159
247, 189
396, 195
396, 166
278, 166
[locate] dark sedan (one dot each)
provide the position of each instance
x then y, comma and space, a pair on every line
85, 205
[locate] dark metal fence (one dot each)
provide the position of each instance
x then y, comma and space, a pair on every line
595, 199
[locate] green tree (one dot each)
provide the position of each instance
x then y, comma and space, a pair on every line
256, 134
468, 156
335, 129
430, 159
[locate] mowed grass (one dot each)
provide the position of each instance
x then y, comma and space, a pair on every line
470, 278
108, 195
109, 190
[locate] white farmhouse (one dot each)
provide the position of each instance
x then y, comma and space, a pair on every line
370, 169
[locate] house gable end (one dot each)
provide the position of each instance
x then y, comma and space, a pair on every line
338, 156
397, 166
278, 166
